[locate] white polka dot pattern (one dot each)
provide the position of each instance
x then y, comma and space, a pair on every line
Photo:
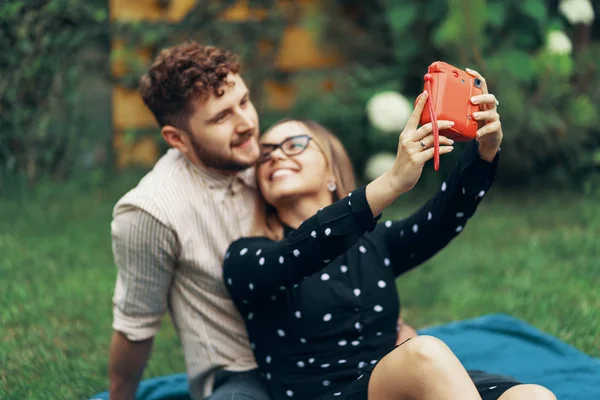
369, 293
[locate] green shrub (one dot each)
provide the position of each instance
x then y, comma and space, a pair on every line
50, 51
55, 77
550, 102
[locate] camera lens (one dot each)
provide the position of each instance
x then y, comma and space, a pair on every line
477, 82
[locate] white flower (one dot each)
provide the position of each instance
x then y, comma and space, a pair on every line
558, 42
379, 164
388, 111
577, 11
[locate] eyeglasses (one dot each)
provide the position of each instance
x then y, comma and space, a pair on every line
291, 146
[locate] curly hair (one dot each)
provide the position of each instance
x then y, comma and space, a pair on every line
181, 75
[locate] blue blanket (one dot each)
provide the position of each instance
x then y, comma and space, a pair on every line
493, 343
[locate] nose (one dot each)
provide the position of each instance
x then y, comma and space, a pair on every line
278, 154
245, 121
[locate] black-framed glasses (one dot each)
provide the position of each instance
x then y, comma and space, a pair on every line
291, 146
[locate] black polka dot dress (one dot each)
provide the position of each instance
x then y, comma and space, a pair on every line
321, 305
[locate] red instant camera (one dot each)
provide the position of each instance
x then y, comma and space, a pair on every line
450, 95
450, 90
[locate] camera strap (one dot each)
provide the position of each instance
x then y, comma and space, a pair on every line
434, 125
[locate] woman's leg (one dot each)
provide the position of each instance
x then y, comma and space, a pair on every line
527, 392
423, 368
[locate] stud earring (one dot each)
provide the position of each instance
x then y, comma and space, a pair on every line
331, 186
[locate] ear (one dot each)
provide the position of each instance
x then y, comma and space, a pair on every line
176, 138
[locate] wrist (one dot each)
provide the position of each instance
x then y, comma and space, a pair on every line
488, 153
396, 185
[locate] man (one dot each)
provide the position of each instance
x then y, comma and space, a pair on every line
171, 231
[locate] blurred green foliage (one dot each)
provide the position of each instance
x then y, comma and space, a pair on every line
53, 51
203, 24
55, 76
550, 103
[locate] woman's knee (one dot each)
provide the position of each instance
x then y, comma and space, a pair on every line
422, 367
419, 354
425, 350
529, 392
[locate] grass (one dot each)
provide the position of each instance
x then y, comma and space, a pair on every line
534, 256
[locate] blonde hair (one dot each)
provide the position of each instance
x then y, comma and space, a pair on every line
266, 221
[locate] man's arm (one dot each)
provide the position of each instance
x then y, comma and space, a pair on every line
127, 361
145, 251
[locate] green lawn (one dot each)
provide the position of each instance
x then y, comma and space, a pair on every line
532, 256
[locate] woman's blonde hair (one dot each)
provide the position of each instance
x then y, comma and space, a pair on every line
266, 221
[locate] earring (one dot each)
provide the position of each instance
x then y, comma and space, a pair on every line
331, 186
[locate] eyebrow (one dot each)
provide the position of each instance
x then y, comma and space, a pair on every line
227, 110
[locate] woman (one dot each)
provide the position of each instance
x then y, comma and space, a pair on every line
316, 285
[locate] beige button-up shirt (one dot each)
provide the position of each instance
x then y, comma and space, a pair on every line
170, 234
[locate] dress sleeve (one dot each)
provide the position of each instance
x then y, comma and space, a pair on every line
415, 239
256, 267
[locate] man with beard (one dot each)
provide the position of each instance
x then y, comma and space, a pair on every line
171, 231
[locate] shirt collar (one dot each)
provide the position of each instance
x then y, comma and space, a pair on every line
215, 180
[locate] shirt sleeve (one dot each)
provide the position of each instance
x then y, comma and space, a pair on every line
145, 254
256, 267
413, 240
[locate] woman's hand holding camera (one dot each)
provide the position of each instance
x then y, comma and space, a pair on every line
489, 135
415, 148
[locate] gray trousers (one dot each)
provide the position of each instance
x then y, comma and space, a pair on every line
248, 385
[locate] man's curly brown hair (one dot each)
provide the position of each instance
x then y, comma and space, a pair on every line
180, 76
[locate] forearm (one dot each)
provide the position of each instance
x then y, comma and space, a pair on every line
381, 193
126, 365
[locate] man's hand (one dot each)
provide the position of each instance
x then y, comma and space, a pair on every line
126, 365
